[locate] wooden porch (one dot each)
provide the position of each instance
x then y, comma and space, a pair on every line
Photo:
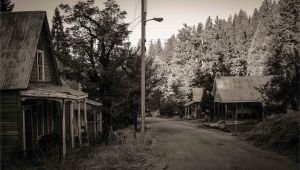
58, 116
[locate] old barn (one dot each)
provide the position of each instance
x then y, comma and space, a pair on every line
238, 97
36, 106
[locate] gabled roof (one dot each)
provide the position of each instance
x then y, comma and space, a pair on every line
239, 89
19, 36
197, 94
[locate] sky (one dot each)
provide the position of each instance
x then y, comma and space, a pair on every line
174, 12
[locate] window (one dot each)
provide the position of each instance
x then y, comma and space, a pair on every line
40, 65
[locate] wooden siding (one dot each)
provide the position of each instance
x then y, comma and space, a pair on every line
44, 46
10, 109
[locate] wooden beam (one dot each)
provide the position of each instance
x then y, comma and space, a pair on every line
85, 120
225, 116
72, 124
24, 132
79, 124
214, 112
64, 129
235, 122
95, 124
196, 107
262, 112
242, 108
100, 121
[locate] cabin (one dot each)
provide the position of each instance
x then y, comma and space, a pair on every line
37, 108
193, 108
238, 97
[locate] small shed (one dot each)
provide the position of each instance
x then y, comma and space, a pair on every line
238, 97
193, 108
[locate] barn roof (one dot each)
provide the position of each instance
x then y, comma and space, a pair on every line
19, 35
197, 94
238, 89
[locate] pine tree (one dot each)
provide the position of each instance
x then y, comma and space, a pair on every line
59, 40
254, 22
6, 6
260, 49
284, 63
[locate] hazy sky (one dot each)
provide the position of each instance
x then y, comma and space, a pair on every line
174, 12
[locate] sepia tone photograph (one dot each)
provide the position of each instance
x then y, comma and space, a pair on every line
149, 84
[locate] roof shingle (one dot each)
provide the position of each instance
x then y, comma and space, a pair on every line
19, 35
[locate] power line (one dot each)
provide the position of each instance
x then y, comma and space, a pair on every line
134, 15
135, 25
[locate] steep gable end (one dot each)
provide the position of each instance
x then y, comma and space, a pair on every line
43, 69
19, 34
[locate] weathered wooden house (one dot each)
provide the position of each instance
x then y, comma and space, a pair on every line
35, 103
193, 108
238, 97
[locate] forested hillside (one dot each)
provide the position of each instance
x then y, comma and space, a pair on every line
239, 45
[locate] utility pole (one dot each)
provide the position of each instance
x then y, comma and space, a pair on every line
143, 39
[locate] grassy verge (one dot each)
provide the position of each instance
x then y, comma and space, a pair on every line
126, 152
279, 133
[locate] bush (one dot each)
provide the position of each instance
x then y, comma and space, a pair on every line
279, 132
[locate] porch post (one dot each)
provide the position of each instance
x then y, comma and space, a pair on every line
214, 112
242, 108
79, 124
196, 107
218, 108
225, 116
235, 122
95, 124
262, 112
100, 121
64, 128
72, 123
85, 121
24, 132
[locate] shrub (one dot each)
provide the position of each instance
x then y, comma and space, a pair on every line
280, 132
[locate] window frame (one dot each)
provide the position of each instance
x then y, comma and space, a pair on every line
42, 54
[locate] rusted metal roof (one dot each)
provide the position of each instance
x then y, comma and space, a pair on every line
47, 90
239, 89
19, 35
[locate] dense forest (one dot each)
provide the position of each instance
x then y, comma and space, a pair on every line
241, 45
92, 45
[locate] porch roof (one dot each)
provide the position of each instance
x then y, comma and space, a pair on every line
190, 103
47, 90
92, 102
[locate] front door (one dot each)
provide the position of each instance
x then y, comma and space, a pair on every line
28, 129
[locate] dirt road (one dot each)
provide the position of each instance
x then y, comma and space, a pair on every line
183, 145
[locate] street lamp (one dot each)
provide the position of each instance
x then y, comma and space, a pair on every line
143, 83
155, 19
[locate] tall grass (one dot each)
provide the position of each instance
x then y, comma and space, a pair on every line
124, 152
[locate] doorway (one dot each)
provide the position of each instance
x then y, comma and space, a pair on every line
27, 129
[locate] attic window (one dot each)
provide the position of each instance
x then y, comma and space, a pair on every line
40, 65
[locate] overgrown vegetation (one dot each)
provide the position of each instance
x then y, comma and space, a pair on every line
125, 152
278, 132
